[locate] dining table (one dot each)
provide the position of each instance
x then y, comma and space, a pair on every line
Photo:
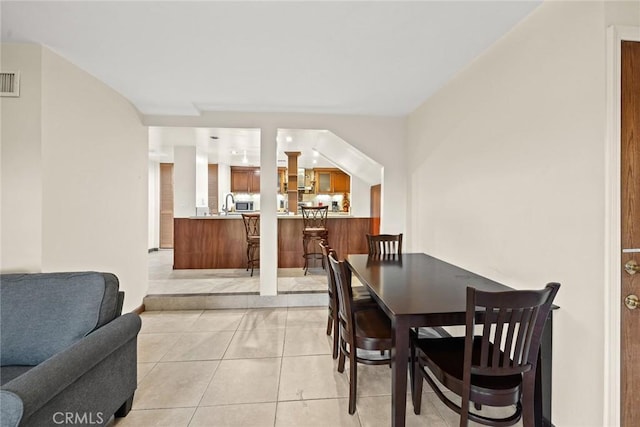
418, 290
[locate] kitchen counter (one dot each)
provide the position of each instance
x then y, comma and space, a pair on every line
200, 242
280, 216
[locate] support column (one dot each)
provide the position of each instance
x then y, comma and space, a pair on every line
202, 168
268, 212
184, 181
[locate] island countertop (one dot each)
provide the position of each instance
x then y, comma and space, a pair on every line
202, 242
280, 216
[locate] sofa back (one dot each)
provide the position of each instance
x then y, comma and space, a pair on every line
42, 314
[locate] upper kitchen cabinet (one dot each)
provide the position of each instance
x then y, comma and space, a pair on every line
245, 179
332, 181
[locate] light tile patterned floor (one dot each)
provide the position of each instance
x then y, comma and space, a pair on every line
252, 367
164, 280
256, 367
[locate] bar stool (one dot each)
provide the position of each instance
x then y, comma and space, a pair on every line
314, 229
252, 231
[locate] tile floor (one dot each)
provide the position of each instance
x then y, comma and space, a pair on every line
164, 280
256, 367
252, 367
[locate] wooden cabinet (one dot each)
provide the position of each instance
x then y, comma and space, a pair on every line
341, 182
324, 182
332, 181
245, 179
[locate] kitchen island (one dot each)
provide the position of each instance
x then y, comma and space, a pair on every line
219, 241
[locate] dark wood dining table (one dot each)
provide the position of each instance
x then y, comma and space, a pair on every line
415, 290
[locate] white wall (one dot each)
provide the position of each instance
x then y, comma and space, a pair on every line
92, 169
506, 168
21, 163
153, 233
360, 197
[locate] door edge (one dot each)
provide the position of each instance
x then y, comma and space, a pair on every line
612, 294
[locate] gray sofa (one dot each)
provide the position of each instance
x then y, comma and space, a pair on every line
67, 355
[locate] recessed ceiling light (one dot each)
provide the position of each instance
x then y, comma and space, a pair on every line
289, 139
234, 152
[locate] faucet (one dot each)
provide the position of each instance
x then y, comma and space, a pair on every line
225, 207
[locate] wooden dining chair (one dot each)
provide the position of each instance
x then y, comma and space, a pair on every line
361, 297
314, 228
361, 328
493, 365
384, 244
252, 234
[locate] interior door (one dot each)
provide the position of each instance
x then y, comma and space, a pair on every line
166, 205
630, 211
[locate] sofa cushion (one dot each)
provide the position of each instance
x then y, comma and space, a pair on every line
7, 373
109, 309
42, 314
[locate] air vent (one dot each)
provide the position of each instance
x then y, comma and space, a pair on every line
10, 83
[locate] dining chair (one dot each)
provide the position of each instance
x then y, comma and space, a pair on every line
360, 294
493, 365
364, 328
384, 244
314, 228
252, 233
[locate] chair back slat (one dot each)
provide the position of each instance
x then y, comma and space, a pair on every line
314, 217
251, 224
345, 295
331, 280
384, 244
516, 315
502, 320
511, 325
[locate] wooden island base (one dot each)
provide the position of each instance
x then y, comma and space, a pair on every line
210, 242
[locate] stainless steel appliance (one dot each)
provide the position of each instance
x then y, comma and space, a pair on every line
244, 206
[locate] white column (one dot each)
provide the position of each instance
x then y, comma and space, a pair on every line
268, 212
202, 167
184, 181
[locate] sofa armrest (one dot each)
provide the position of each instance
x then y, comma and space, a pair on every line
42, 383
11, 409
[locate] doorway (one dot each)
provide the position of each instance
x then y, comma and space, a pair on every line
623, 355
630, 233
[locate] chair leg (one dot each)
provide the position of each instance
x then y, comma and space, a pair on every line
353, 382
464, 409
412, 370
528, 392
305, 254
336, 335
329, 323
341, 357
417, 388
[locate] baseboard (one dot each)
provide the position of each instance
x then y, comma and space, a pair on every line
153, 250
138, 310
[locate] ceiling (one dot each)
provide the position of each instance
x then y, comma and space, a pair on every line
241, 147
181, 58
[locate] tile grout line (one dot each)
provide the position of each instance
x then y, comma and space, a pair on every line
214, 371
284, 340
